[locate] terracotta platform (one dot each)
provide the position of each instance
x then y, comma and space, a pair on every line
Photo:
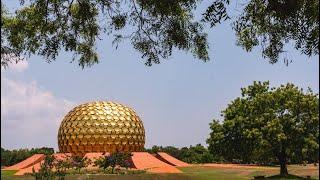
145, 161
140, 161
36, 168
171, 160
34, 159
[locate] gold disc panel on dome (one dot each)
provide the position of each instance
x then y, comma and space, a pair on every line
101, 127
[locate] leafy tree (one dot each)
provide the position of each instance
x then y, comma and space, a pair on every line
272, 24
268, 124
154, 28
61, 167
121, 159
45, 172
195, 154
79, 162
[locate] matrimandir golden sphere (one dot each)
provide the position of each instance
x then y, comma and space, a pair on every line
101, 127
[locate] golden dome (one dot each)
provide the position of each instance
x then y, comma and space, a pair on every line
101, 127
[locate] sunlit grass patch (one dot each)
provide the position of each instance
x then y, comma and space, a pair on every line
8, 172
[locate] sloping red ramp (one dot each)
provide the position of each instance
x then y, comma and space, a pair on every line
170, 160
34, 159
36, 168
145, 161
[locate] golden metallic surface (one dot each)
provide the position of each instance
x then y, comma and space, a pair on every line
101, 127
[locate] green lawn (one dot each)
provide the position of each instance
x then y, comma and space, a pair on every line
195, 172
7, 173
203, 173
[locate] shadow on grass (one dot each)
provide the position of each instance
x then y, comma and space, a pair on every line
290, 176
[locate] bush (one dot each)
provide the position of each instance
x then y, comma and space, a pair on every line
193, 154
79, 162
117, 159
61, 167
46, 169
45, 172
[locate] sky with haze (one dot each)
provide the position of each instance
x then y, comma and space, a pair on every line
176, 99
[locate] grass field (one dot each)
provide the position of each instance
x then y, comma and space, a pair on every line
7, 173
195, 172
245, 172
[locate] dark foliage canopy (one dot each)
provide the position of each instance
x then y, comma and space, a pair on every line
275, 23
154, 28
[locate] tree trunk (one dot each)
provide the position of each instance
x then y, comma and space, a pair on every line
283, 165
283, 169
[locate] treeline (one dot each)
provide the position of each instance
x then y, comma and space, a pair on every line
11, 157
192, 154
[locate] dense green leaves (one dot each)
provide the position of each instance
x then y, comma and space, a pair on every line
154, 28
46, 27
216, 12
268, 124
45, 172
273, 24
78, 162
193, 154
11, 157
121, 159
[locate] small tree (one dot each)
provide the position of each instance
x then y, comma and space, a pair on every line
121, 159
61, 167
268, 123
45, 172
79, 162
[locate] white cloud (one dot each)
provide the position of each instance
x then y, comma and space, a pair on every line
30, 116
20, 66
16, 64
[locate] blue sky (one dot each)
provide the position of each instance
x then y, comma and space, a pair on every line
176, 99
